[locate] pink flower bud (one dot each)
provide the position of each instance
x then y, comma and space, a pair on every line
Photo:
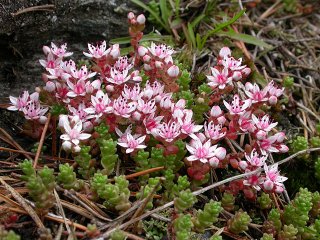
131, 15
46, 50
37, 89
215, 111
87, 126
142, 51
77, 148
141, 19
268, 185
66, 145
273, 100
279, 189
173, 71
221, 153
62, 120
249, 86
221, 120
243, 165
246, 71
146, 58
283, 148
261, 134
50, 86
280, 136
136, 116
158, 64
236, 76
115, 51
43, 119
214, 162
225, 52
110, 88
147, 67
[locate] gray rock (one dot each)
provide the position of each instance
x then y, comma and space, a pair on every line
76, 22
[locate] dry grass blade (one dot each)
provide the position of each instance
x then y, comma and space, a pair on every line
24, 204
43, 134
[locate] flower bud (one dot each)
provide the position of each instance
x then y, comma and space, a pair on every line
215, 111
158, 64
246, 71
110, 88
141, 19
225, 52
221, 153
273, 100
261, 135
279, 189
214, 162
115, 51
136, 116
173, 71
268, 185
146, 58
87, 126
46, 50
142, 51
221, 120
77, 149
43, 119
50, 86
131, 15
243, 165
147, 67
236, 76
66, 145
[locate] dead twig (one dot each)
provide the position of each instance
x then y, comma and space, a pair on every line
43, 134
46, 7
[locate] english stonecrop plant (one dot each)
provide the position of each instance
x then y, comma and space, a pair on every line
131, 108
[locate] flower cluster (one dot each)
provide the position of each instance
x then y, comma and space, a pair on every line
134, 96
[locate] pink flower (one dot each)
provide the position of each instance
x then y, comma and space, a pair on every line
263, 123
122, 63
255, 159
82, 73
245, 122
213, 131
168, 131
161, 51
51, 62
177, 108
155, 89
273, 143
274, 93
187, 125
152, 123
219, 79
81, 88
21, 102
97, 52
146, 107
255, 94
131, 143
166, 102
122, 108
201, 151
118, 77
100, 103
273, 180
254, 181
61, 51
131, 93
237, 106
34, 111
80, 112
233, 64
72, 135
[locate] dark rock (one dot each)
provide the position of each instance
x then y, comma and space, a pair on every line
76, 22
